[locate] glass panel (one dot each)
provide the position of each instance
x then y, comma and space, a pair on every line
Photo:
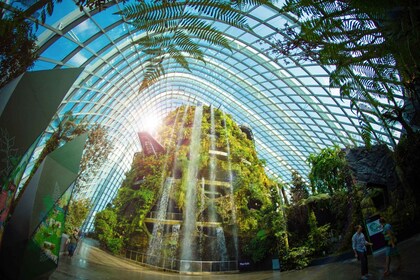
85, 30
99, 43
43, 65
60, 49
79, 58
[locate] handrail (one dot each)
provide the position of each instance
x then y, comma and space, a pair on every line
182, 266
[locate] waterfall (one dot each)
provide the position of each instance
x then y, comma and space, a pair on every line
232, 202
202, 219
154, 252
221, 244
174, 241
212, 212
189, 226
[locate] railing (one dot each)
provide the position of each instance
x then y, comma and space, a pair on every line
182, 266
169, 216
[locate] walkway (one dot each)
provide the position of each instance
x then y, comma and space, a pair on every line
92, 263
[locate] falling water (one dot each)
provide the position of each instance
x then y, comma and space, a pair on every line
154, 251
212, 212
155, 245
191, 192
202, 219
221, 244
212, 171
174, 241
232, 202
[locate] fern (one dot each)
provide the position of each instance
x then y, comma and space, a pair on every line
175, 29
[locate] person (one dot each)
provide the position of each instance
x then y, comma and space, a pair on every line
391, 246
359, 247
72, 242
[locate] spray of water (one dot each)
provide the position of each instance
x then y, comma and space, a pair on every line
235, 231
188, 248
154, 251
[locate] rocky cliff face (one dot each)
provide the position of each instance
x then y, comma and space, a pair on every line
373, 167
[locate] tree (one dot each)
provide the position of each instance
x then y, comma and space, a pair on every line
95, 153
65, 129
17, 48
329, 170
105, 228
299, 189
76, 214
373, 46
8, 155
318, 235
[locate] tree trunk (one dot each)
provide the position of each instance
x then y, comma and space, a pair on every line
286, 201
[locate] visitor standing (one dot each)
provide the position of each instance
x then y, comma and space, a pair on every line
72, 242
391, 246
359, 247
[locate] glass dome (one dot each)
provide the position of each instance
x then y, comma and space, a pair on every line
289, 106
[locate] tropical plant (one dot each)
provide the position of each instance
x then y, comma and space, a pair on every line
372, 46
329, 170
17, 48
250, 198
76, 214
175, 29
298, 189
64, 129
297, 257
318, 235
8, 154
95, 153
105, 228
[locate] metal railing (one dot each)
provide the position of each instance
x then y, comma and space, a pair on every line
182, 266
169, 216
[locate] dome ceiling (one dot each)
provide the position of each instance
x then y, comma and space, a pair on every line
287, 104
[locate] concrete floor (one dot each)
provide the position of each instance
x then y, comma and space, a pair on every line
93, 263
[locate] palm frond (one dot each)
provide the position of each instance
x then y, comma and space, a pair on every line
178, 57
174, 29
204, 31
154, 70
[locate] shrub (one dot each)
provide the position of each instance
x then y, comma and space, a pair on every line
298, 257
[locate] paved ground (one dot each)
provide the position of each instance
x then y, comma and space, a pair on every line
93, 263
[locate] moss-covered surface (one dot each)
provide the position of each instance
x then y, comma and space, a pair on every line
240, 209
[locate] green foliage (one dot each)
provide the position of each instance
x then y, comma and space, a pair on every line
329, 170
299, 189
372, 46
340, 206
17, 48
8, 153
274, 219
251, 198
297, 258
175, 29
318, 236
95, 153
66, 128
258, 246
76, 214
105, 228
